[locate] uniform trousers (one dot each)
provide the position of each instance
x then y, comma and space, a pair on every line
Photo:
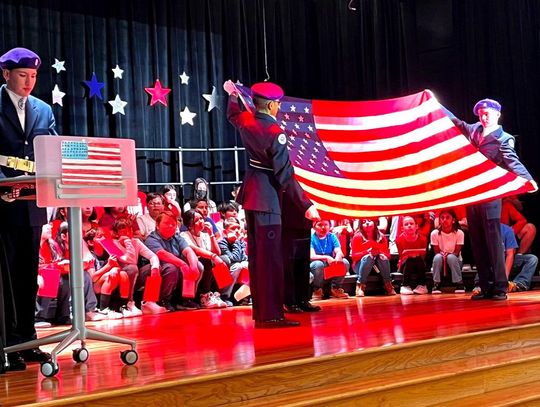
266, 273
22, 258
484, 222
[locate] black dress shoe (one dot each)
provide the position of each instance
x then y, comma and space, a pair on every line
276, 323
481, 296
16, 362
293, 309
308, 307
35, 355
501, 296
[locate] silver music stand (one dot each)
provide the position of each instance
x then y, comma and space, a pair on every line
55, 188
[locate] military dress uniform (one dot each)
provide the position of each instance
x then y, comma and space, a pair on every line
21, 220
269, 180
484, 218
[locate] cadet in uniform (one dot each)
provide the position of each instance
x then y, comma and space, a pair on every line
22, 117
269, 180
484, 218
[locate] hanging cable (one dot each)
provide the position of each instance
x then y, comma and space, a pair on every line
264, 41
351, 5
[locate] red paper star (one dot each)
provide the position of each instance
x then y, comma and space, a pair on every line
158, 93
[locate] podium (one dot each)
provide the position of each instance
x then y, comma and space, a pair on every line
70, 172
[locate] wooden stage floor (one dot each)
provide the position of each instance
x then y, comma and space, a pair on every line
197, 343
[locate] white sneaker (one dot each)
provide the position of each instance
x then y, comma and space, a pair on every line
95, 316
125, 312
111, 314
420, 290
42, 324
405, 290
208, 301
150, 307
219, 301
135, 312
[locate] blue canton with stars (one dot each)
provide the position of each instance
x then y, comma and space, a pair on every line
306, 150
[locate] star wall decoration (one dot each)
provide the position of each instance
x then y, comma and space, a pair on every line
158, 93
58, 65
187, 116
117, 72
118, 105
95, 86
212, 98
57, 96
184, 79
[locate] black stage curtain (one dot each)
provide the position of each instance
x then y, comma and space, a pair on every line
318, 49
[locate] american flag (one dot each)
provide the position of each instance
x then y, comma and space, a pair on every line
88, 163
387, 157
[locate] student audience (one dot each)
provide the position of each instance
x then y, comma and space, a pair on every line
447, 241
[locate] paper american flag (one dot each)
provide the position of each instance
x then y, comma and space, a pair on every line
88, 163
387, 157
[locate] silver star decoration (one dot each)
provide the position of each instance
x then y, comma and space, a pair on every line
57, 96
58, 65
117, 71
187, 116
118, 105
212, 98
184, 79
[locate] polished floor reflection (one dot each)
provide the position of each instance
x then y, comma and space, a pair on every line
196, 343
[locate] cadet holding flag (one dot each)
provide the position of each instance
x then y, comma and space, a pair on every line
268, 181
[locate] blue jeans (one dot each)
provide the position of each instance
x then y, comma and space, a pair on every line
364, 266
527, 263
452, 262
317, 271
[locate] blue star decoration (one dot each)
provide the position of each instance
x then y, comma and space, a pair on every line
95, 86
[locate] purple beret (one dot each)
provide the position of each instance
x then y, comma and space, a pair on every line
486, 104
20, 58
267, 90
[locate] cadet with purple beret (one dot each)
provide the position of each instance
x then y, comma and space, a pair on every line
484, 218
22, 117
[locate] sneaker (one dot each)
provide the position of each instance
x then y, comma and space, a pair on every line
512, 287
338, 293
111, 314
406, 290
219, 301
436, 289
245, 301
150, 307
460, 288
420, 290
317, 294
476, 291
42, 324
135, 312
167, 305
208, 301
187, 305
360, 288
389, 288
95, 316
126, 313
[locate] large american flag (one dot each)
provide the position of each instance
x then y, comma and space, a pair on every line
88, 163
387, 157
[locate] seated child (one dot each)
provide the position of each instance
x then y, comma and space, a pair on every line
233, 251
411, 247
369, 249
447, 241
326, 250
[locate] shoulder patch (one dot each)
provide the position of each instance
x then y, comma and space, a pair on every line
282, 139
512, 142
